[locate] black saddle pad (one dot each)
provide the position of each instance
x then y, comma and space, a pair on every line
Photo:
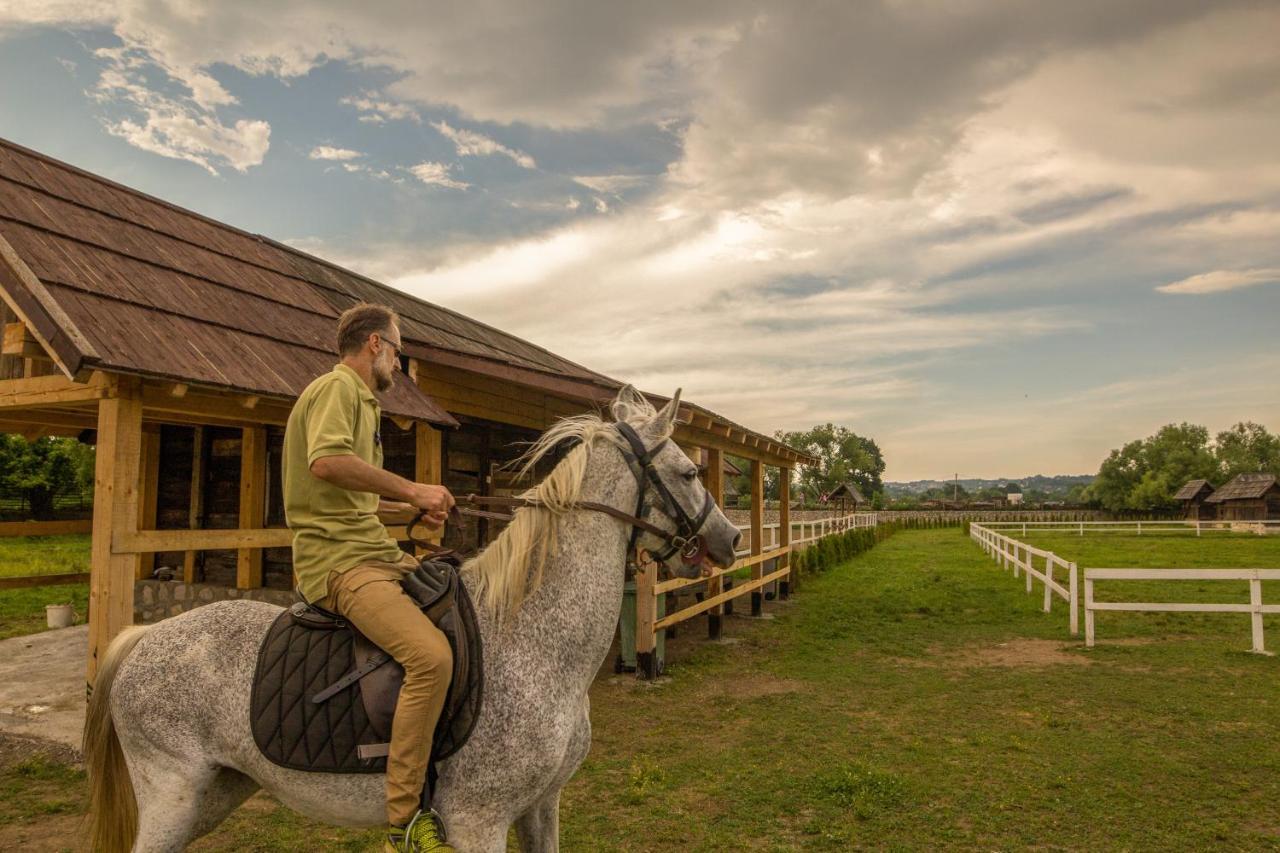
301, 656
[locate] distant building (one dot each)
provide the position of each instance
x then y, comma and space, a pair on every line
1248, 497
846, 498
1192, 496
1014, 498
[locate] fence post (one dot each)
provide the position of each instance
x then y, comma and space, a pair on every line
647, 663
1139, 528
1197, 528
1088, 610
1026, 553
1048, 580
1255, 601
1082, 528
1074, 602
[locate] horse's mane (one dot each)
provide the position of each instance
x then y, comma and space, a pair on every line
510, 568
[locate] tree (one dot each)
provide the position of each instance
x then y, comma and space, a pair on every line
1245, 448
843, 457
1145, 474
44, 469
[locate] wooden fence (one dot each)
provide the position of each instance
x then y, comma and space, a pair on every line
773, 548
1020, 556
1255, 608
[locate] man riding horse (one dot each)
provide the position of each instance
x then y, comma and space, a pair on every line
336, 495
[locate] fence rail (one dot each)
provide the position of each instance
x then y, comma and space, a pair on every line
1255, 607
1020, 556
1187, 526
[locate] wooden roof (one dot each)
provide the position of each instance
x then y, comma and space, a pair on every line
1244, 487
118, 280
847, 490
1191, 490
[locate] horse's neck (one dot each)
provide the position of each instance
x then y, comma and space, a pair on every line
569, 621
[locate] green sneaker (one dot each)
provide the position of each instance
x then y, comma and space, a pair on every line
423, 834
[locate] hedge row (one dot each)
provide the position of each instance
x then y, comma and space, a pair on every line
838, 547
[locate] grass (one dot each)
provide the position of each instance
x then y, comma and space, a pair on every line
22, 610
912, 698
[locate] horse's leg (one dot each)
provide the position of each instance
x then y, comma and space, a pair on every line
228, 790
477, 835
170, 801
539, 827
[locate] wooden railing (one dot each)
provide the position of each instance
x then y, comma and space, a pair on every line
1255, 608
1188, 527
1020, 556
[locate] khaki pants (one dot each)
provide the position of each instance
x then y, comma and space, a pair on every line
370, 597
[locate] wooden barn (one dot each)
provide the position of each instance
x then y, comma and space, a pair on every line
1248, 497
846, 498
176, 344
1192, 497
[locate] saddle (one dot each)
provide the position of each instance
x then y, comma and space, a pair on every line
324, 695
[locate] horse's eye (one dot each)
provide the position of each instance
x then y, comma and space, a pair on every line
690, 475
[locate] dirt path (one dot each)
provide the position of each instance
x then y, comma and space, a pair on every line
42, 684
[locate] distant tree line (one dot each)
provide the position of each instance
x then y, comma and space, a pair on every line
1146, 473
36, 475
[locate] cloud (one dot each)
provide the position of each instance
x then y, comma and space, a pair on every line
375, 110
468, 143
1220, 280
326, 152
437, 174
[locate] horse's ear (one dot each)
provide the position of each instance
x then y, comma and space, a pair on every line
668, 414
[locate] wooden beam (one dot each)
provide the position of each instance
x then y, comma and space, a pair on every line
249, 401
223, 409
716, 601
115, 512
784, 531
28, 581
148, 495
179, 389
45, 528
714, 460
428, 461
19, 341
150, 541
54, 391
195, 511
757, 531
253, 506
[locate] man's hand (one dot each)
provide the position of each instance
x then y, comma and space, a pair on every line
434, 501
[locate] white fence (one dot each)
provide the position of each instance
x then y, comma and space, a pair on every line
1189, 527
806, 532
1020, 556
1255, 607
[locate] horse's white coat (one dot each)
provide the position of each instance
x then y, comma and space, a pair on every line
180, 701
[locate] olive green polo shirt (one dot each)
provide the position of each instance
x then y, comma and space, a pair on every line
334, 529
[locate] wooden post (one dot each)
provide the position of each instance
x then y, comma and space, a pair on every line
253, 509
1255, 602
757, 531
428, 464
715, 485
115, 511
196, 510
148, 495
1074, 591
647, 663
788, 581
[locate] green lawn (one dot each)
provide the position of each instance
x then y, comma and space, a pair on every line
22, 610
914, 698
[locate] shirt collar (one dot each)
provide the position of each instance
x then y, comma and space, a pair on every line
365, 393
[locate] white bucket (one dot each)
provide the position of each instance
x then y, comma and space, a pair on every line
59, 615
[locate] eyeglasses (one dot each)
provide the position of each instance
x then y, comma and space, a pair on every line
395, 345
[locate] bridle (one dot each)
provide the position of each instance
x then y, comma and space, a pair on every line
687, 539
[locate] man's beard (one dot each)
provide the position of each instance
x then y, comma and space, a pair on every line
382, 377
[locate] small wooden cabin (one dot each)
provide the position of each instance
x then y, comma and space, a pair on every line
846, 498
176, 344
1192, 497
1248, 497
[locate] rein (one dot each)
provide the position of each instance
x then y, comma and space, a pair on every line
687, 540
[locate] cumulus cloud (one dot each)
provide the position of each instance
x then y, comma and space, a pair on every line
468, 143
375, 110
437, 174
328, 152
1220, 280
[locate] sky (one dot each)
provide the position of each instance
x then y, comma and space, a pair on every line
1000, 238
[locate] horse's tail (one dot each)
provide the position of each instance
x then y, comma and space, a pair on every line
113, 809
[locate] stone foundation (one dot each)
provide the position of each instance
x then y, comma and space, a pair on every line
156, 600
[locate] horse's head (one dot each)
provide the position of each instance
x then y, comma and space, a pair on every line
718, 537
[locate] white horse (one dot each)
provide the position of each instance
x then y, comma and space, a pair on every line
168, 743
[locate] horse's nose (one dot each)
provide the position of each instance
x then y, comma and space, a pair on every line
737, 540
